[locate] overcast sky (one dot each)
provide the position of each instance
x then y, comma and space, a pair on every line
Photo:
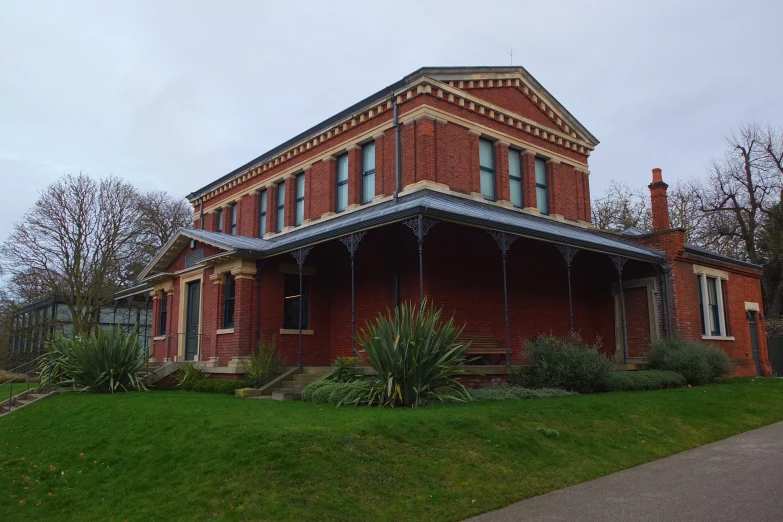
172, 95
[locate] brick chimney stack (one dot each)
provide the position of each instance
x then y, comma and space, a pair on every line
660, 202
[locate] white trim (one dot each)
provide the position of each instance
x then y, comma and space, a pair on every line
224, 331
752, 307
717, 338
294, 331
712, 272
703, 272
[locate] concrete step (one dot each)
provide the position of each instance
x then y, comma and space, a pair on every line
307, 377
320, 370
287, 394
295, 385
34, 396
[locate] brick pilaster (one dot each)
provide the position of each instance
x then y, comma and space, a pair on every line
529, 181
552, 182
354, 175
425, 148
475, 161
502, 181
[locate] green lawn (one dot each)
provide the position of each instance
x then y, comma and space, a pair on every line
188, 456
19, 387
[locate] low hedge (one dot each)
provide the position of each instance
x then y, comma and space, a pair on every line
333, 392
226, 386
698, 362
644, 380
567, 363
499, 393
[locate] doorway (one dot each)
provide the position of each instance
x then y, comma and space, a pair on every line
754, 340
192, 320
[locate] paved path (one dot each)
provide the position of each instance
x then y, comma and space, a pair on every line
736, 479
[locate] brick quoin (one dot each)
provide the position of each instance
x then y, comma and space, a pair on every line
443, 113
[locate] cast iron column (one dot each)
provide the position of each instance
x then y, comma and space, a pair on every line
504, 242
300, 254
351, 242
619, 263
568, 253
420, 225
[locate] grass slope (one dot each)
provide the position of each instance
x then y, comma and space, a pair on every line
188, 456
19, 387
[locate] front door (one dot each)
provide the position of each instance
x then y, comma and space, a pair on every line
192, 321
754, 341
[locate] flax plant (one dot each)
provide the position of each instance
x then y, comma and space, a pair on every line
415, 357
103, 361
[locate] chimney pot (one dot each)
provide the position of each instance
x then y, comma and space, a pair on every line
657, 175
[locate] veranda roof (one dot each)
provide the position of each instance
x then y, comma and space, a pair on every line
425, 202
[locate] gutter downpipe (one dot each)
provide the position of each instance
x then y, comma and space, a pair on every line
397, 151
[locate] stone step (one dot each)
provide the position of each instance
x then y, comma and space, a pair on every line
307, 377
287, 394
320, 370
295, 385
34, 396
18, 403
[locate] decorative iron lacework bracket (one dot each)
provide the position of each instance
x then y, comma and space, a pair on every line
503, 240
568, 252
300, 254
420, 225
351, 241
618, 262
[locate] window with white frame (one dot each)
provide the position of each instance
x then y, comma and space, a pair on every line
713, 309
487, 169
515, 177
299, 185
542, 187
368, 172
342, 183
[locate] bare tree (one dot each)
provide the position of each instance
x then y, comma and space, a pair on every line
77, 242
743, 194
160, 216
622, 208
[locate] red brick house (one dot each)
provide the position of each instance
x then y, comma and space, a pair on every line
467, 185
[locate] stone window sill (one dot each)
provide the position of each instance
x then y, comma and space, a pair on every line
717, 338
159, 338
225, 331
292, 331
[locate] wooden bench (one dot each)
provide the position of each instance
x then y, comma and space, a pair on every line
486, 347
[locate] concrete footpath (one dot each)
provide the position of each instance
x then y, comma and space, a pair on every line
736, 479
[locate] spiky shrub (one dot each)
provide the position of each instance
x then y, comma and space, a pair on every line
264, 363
568, 363
414, 355
103, 361
187, 374
698, 362
345, 369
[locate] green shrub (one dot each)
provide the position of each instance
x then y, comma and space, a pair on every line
698, 362
187, 374
322, 393
227, 386
104, 361
567, 363
549, 433
345, 369
264, 364
414, 357
499, 393
307, 393
644, 380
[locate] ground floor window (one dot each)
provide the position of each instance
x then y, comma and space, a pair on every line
228, 302
712, 305
292, 300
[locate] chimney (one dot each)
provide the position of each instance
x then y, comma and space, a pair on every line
659, 201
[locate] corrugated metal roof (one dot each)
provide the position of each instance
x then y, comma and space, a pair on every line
699, 251
429, 203
133, 290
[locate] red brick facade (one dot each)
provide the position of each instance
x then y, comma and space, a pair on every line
442, 118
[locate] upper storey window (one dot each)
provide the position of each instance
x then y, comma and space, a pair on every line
542, 189
515, 177
300, 202
220, 220
233, 229
487, 169
368, 172
280, 218
262, 202
342, 183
